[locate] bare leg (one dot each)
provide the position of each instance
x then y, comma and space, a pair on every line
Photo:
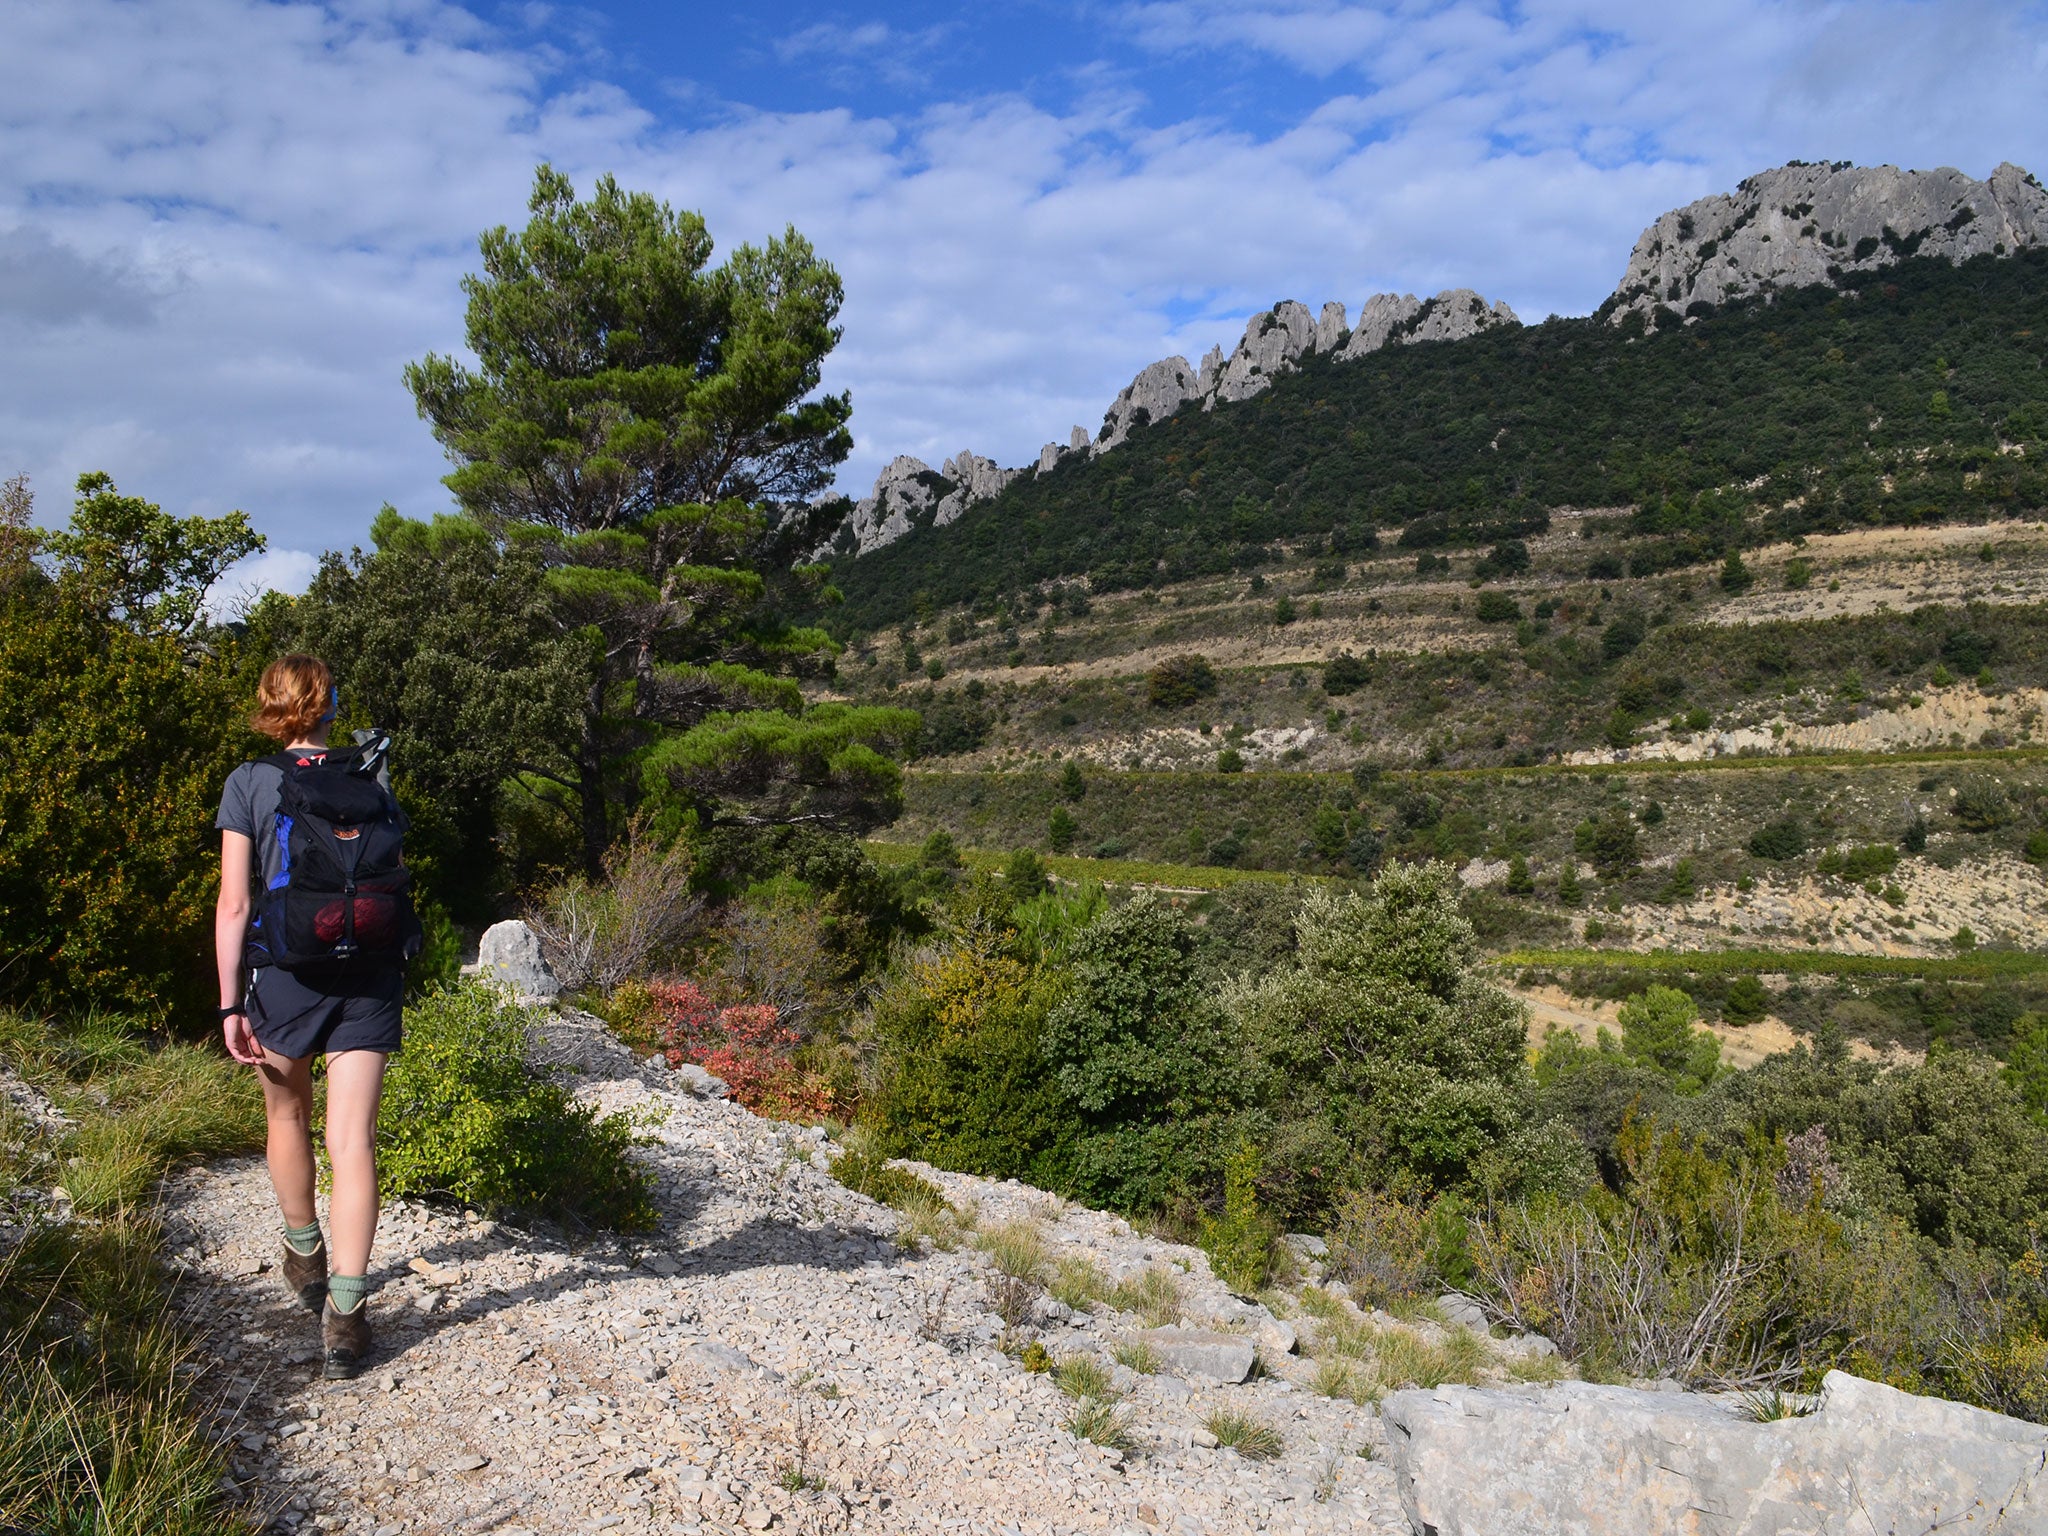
288, 1146
355, 1083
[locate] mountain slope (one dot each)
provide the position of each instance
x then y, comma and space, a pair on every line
1887, 401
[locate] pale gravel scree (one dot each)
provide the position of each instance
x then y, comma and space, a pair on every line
768, 1332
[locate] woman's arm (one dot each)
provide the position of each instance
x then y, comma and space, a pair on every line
230, 928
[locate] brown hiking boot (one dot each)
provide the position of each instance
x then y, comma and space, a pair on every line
305, 1274
346, 1338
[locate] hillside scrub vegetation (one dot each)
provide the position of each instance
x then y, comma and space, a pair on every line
1821, 394
1363, 1079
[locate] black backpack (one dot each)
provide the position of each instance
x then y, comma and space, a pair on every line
344, 895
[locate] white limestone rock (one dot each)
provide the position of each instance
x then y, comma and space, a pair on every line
902, 497
1271, 345
510, 955
1797, 225
1330, 327
1452, 315
1613, 1461
1221, 1357
974, 479
1156, 393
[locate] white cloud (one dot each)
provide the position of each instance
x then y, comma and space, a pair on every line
226, 224
271, 570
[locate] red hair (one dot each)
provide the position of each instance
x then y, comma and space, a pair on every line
293, 698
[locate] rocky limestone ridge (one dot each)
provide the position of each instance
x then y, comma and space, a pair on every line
910, 494
1801, 224
1401, 318
1797, 225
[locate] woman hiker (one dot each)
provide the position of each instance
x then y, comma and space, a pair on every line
340, 997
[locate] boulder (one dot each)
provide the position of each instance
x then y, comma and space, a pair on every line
904, 497
510, 956
974, 479
1222, 1357
1330, 327
700, 1083
1462, 1312
1594, 1460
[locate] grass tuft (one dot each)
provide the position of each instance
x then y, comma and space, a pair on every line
1081, 1375
1137, 1355
99, 1431
1102, 1423
1076, 1283
1017, 1249
1154, 1294
1770, 1405
1254, 1439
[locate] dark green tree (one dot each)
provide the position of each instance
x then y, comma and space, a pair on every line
618, 374
1659, 1030
1142, 1058
121, 713
1384, 1033
641, 426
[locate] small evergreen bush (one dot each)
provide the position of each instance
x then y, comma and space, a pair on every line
465, 1118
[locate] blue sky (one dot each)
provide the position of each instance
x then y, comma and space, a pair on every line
225, 225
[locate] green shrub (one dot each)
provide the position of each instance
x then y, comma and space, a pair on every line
1230, 760
1141, 1059
1498, 608
1383, 1034
1239, 1243
1980, 806
1658, 1031
1060, 830
1610, 843
1179, 680
1345, 673
1380, 1248
1779, 840
465, 1118
1024, 875
1747, 1002
121, 717
1859, 864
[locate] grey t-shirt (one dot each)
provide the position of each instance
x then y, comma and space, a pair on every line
248, 805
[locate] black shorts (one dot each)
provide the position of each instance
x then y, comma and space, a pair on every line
300, 1014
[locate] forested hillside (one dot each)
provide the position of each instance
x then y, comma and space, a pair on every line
1886, 402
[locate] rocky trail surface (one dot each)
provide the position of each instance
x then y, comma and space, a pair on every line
768, 1358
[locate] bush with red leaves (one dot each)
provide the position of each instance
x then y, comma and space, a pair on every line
747, 1044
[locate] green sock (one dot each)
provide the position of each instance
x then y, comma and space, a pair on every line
345, 1293
304, 1241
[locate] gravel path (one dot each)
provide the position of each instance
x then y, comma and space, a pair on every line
767, 1359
